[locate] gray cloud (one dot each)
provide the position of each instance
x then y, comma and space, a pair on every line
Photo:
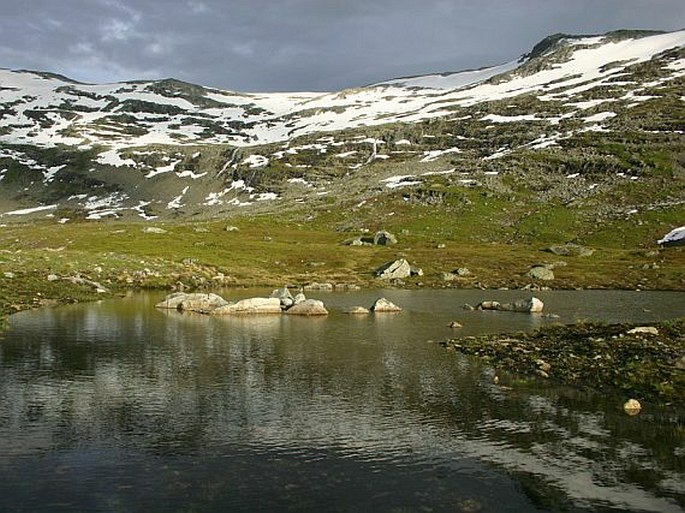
257, 45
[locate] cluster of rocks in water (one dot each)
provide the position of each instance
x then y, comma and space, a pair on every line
280, 301
532, 305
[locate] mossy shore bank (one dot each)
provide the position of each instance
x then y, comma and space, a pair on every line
646, 362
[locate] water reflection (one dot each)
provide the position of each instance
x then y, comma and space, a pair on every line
336, 413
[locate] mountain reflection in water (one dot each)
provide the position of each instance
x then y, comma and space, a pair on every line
116, 406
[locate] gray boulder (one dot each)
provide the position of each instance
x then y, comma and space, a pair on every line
251, 306
308, 307
383, 305
299, 298
384, 238
396, 269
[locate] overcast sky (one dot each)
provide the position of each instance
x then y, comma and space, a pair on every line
297, 45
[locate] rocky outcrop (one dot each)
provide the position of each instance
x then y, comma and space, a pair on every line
251, 306
308, 307
532, 305
383, 305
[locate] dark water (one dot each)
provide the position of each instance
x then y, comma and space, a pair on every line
118, 407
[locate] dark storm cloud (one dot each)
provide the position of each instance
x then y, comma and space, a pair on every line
297, 44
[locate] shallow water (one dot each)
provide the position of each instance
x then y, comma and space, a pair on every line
116, 406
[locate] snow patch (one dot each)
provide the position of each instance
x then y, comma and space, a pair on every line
26, 211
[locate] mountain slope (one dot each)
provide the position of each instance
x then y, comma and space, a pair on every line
579, 118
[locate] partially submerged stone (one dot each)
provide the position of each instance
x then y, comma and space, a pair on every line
532, 305
250, 306
308, 307
356, 310
193, 302
632, 407
384, 305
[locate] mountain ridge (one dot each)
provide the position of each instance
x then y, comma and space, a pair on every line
168, 148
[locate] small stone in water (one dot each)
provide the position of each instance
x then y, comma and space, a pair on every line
632, 407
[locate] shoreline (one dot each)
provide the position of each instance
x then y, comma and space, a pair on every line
644, 361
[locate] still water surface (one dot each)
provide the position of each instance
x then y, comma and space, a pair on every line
116, 406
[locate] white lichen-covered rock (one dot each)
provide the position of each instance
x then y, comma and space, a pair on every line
308, 307
383, 305
193, 302
251, 306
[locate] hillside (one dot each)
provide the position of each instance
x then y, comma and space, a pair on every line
582, 135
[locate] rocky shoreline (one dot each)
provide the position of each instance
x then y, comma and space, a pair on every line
646, 362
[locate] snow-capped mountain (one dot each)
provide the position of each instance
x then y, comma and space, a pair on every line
61, 133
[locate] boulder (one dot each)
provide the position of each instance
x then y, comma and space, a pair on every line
308, 307
356, 310
396, 269
299, 298
455, 324
384, 238
251, 306
284, 296
383, 305
195, 302
540, 272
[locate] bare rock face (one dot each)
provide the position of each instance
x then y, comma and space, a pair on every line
383, 305
195, 302
251, 306
308, 307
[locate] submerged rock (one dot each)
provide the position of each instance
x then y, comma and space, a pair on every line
356, 310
